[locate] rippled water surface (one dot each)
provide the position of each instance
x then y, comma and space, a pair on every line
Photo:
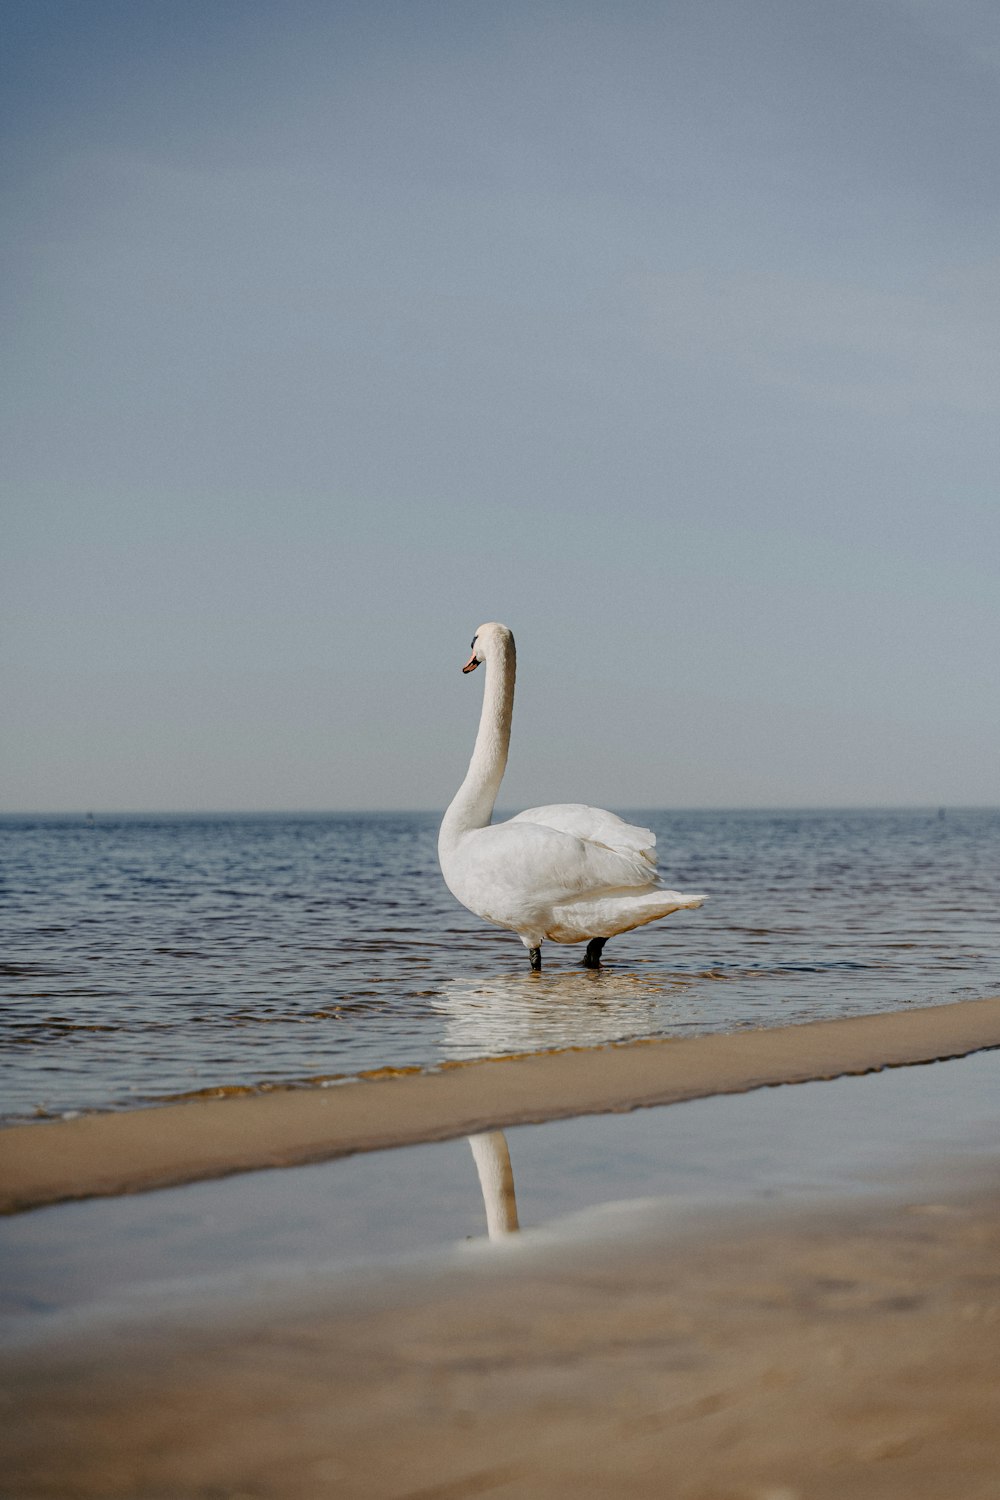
147, 957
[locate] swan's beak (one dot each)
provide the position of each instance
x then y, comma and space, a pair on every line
471, 664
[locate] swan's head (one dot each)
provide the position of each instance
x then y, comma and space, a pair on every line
488, 639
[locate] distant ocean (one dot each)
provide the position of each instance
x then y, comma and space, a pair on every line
144, 958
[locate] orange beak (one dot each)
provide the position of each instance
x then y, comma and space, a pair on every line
471, 664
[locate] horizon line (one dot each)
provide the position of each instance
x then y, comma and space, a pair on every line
321, 812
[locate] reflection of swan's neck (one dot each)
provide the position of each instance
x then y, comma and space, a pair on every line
473, 803
496, 1178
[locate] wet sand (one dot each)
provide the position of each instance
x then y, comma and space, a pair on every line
852, 1350
203, 1138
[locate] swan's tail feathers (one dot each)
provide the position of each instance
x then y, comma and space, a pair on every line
685, 903
616, 911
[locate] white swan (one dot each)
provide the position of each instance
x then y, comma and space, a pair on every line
570, 873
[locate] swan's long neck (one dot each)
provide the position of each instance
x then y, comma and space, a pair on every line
473, 803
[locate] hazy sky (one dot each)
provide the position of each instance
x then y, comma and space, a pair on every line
667, 333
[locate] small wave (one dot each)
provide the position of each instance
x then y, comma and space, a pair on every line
35, 1031
31, 971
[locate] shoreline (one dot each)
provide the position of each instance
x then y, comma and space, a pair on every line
170, 1144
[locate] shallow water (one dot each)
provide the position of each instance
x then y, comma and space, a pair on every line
142, 958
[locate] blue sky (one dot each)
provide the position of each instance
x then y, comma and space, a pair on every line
667, 333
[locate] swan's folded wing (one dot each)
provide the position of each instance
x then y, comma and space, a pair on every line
593, 824
531, 864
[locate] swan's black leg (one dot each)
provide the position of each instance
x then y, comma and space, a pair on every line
535, 955
592, 957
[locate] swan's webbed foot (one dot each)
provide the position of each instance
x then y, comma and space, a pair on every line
592, 957
535, 955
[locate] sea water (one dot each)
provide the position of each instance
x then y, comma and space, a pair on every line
144, 958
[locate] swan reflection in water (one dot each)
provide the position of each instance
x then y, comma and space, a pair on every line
516, 1013
520, 1012
529, 1013
496, 1178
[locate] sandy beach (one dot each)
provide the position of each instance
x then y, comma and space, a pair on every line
792, 1350
834, 1352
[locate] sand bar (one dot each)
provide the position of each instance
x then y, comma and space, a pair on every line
157, 1147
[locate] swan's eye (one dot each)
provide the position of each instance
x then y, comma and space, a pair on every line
474, 640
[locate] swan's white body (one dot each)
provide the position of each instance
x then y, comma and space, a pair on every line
568, 872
